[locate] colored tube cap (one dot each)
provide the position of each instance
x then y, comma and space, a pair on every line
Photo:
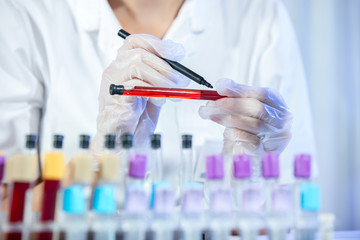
2, 166
155, 140
221, 201
302, 166
193, 198
137, 166
110, 141
136, 200
58, 141
104, 199
127, 140
242, 166
215, 166
84, 141
74, 200
31, 140
186, 141
164, 198
270, 165
310, 197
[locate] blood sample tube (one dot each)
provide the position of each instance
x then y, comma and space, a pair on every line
165, 92
54, 171
22, 175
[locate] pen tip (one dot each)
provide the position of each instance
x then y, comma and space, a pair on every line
209, 85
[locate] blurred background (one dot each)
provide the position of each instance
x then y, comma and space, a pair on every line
328, 32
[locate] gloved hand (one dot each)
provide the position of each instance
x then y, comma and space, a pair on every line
137, 64
256, 119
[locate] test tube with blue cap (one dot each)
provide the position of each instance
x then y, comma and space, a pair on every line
308, 199
302, 174
113, 168
105, 204
307, 221
76, 196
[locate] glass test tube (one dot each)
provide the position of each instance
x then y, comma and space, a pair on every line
135, 220
76, 196
186, 173
156, 158
192, 214
165, 92
23, 174
163, 223
54, 171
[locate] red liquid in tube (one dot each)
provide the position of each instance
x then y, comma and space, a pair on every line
172, 93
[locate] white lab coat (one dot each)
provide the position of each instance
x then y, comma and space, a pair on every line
53, 54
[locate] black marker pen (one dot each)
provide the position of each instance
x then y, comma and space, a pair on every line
177, 66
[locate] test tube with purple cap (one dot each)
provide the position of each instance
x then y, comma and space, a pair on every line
164, 220
249, 197
220, 198
135, 219
192, 212
242, 176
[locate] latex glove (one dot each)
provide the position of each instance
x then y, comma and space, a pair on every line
256, 119
137, 64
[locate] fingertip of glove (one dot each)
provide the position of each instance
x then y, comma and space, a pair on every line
203, 113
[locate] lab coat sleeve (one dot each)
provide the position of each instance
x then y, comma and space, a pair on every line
21, 91
280, 67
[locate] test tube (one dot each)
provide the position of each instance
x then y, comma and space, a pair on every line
192, 217
156, 158
302, 173
307, 221
22, 174
249, 198
250, 218
113, 168
220, 198
77, 195
242, 176
2, 169
164, 221
270, 172
54, 171
214, 173
221, 218
137, 169
135, 220
104, 225
127, 144
186, 169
